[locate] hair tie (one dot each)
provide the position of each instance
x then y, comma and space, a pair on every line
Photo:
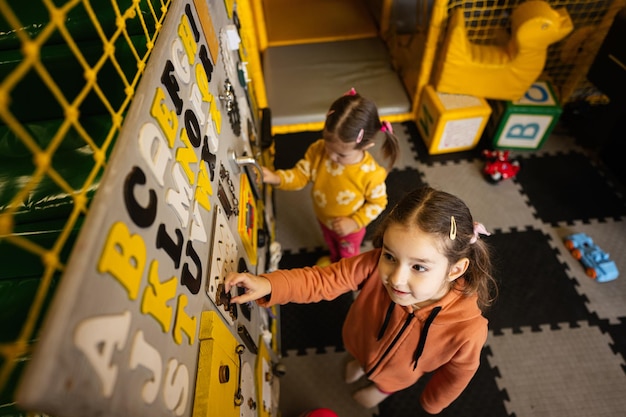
479, 229
359, 137
350, 92
386, 127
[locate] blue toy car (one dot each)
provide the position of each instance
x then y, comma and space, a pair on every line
597, 263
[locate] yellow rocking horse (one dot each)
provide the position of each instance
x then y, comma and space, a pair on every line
501, 72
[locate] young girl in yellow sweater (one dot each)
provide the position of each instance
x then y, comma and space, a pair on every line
348, 184
419, 306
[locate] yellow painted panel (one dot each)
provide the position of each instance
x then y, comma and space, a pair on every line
305, 21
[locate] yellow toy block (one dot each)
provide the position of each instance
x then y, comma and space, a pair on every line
451, 122
500, 72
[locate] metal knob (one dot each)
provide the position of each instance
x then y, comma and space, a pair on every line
228, 97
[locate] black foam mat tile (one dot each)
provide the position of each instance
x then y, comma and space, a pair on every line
567, 187
317, 325
291, 147
534, 289
303, 258
618, 334
482, 397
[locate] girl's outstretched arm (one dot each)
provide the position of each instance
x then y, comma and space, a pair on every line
270, 177
256, 287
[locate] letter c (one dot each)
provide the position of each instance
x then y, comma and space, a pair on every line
140, 215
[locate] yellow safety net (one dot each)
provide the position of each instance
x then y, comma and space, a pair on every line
68, 72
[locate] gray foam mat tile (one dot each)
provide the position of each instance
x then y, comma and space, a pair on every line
498, 206
316, 381
298, 227
571, 372
606, 299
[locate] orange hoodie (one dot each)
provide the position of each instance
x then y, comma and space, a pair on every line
395, 345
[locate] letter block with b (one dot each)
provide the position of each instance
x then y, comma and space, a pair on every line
525, 123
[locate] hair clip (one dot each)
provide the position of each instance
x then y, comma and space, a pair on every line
359, 137
350, 92
386, 127
479, 229
452, 228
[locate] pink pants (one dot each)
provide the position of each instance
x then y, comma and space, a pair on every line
342, 246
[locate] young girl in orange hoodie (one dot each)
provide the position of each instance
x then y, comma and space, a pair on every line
419, 307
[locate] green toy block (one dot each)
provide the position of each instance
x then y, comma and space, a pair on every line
525, 123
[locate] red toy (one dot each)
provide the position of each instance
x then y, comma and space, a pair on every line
498, 166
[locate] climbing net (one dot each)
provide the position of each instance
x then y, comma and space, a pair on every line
68, 73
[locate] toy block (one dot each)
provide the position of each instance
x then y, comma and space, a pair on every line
451, 122
527, 122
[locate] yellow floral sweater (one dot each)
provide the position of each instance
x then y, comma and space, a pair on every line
357, 191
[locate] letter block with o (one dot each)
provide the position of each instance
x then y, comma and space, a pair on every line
525, 123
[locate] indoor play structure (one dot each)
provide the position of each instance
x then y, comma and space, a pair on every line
391, 50
133, 133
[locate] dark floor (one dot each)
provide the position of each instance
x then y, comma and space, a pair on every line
557, 341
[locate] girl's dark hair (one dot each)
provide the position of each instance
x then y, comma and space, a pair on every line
351, 113
431, 211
